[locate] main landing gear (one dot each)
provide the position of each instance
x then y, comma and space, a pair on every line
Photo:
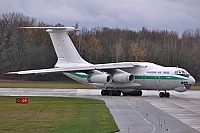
118, 93
164, 94
132, 93
110, 93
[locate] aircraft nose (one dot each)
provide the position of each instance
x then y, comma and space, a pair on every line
191, 80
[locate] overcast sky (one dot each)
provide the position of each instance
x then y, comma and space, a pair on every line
176, 15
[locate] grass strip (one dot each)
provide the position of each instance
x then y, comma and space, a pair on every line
195, 88
60, 115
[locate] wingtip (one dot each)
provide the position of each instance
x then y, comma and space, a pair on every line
11, 73
21, 27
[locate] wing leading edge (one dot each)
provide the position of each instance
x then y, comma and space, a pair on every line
80, 68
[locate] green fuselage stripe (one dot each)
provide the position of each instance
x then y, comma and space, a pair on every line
79, 75
82, 75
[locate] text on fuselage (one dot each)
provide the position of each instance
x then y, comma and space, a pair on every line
158, 72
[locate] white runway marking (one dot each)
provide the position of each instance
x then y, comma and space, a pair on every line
153, 127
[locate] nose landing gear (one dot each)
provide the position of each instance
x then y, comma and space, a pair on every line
164, 94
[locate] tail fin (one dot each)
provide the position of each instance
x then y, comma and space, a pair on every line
65, 49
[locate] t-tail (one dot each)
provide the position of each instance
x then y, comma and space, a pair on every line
66, 52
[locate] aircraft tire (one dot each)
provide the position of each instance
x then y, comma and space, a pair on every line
132, 93
167, 94
116, 93
110, 93
125, 93
140, 93
161, 94
104, 93
136, 93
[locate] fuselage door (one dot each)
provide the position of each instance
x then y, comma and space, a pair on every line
157, 80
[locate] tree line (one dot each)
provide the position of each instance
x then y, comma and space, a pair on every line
33, 49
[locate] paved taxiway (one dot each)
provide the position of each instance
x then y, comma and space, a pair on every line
147, 114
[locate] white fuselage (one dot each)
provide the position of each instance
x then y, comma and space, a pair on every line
148, 77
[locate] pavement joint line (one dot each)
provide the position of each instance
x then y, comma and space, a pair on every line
154, 128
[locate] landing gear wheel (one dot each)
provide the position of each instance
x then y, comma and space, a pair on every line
167, 94
104, 93
114, 93
161, 94
132, 93
110, 93
136, 93
125, 93
164, 94
117, 93
140, 93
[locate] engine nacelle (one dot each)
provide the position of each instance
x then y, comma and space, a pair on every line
100, 78
180, 89
123, 77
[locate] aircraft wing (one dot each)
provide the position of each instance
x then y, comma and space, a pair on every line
81, 68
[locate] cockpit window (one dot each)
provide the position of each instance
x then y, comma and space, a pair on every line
182, 73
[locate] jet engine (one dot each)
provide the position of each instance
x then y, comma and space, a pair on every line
99, 77
123, 77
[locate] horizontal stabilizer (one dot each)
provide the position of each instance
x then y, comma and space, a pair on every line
56, 28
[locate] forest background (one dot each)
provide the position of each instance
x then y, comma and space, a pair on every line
33, 49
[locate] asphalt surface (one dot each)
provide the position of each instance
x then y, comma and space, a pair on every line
147, 114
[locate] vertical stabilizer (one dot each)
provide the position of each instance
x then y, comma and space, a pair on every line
65, 49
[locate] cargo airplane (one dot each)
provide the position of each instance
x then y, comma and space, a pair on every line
128, 78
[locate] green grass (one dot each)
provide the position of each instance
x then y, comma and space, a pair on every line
195, 88
60, 115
